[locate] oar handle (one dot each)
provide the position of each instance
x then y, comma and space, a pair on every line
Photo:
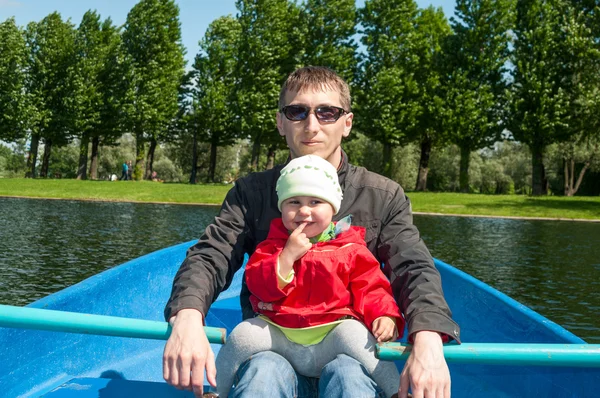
74, 322
568, 355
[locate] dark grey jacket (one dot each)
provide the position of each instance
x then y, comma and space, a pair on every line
375, 202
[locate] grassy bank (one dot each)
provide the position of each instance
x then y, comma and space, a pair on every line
444, 203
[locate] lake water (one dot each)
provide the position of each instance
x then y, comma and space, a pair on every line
552, 267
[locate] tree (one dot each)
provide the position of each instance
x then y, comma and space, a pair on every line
89, 49
476, 57
13, 100
269, 50
539, 100
328, 30
51, 86
214, 118
386, 106
431, 30
152, 38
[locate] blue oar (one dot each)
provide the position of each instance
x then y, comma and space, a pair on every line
74, 322
569, 355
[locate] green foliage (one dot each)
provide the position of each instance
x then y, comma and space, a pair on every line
64, 161
328, 30
538, 114
213, 118
152, 37
387, 107
13, 55
268, 52
475, 59
13, 160
50, 82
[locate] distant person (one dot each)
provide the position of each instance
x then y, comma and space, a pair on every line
155, 177
129, 170
125, 172
318, 289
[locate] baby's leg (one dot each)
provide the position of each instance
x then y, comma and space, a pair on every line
246, 339
249, 338
352, 338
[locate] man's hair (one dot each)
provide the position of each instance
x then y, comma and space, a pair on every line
316, 78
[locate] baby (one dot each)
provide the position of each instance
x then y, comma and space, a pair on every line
316, 289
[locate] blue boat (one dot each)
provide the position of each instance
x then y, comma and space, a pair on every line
57, 364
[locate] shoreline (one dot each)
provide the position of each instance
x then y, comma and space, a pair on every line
592, 220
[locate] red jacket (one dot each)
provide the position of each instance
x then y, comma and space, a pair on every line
333, 279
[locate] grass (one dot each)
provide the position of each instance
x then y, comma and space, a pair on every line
122, 191
427, 202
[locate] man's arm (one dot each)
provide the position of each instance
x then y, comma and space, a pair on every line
210, 264
416, 283
417, 287
207, 270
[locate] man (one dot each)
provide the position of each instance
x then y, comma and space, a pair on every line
314, 117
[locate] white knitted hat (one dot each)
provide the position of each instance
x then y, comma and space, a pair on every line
310, 175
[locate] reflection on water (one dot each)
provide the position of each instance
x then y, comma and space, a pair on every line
46, 245
552, 267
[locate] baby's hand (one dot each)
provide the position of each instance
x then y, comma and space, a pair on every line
297, 244
384, 329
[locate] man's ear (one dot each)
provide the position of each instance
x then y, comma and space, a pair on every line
280, 124
348, 124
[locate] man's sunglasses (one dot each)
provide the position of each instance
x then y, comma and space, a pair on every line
325, 114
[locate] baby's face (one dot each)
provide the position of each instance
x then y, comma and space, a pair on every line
314, 212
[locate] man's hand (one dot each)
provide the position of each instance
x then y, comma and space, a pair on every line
426, 371
296, 246
384, 329
187, 353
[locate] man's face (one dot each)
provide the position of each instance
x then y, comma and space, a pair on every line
309, 136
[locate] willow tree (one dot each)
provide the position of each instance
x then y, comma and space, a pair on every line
152, 37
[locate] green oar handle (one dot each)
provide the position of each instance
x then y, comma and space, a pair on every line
74, 322
569, 355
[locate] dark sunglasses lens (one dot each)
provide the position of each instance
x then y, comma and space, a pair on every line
296, 112
328, 113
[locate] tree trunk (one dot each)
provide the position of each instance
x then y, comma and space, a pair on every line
387, 160
150, 159
423, 165
538, 177
194, 157
566, 177
94, 158
32, 158
255, 154
140, 156
83, 154
212, 165
572, 186
465, 160
46, 158
271, 157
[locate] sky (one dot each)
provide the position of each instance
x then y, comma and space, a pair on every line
195, 15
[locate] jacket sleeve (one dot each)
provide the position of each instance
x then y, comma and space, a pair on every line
210, 264
371, 292
261, 273
416, 283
